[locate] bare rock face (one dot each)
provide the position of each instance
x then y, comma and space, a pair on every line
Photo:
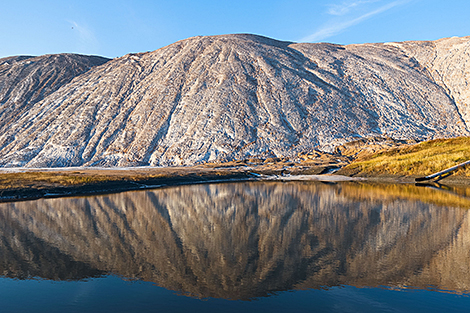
447, 62
26, 80
229, 97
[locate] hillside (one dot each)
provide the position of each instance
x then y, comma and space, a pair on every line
221, 98
26, 80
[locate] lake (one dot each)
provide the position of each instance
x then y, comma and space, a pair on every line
247, 246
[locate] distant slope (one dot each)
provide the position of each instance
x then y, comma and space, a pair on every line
26, 80
235, 96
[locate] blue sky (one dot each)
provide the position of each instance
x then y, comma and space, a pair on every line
114, 28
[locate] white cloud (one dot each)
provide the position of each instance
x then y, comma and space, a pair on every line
345, 7
335, 27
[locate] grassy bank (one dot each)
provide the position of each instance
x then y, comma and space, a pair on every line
417, 160
38, 183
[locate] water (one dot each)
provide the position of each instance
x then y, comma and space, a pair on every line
280, 247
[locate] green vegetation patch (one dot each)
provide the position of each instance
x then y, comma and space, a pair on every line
421, 159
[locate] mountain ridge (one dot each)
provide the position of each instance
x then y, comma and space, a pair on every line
26, 80
226, 97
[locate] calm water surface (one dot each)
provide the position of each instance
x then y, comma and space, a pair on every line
250, 247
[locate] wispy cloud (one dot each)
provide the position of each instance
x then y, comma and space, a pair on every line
335, 27
345, 7
86, 38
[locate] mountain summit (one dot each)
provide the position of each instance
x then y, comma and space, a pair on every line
220, 98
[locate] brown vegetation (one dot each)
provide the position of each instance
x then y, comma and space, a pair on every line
420, 159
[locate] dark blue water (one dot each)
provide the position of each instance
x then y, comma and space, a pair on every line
245, 247
112, 294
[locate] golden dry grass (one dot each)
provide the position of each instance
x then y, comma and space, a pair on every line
421, 159
29, 179
37, 179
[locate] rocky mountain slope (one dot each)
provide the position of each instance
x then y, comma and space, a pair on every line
447, 62
228, 97
26, 80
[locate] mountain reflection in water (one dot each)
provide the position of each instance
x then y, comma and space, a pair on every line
245, 240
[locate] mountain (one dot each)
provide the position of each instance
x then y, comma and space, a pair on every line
220, 98
26, 80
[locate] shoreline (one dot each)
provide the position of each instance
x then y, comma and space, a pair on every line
109, 187
29, 184
23, 184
